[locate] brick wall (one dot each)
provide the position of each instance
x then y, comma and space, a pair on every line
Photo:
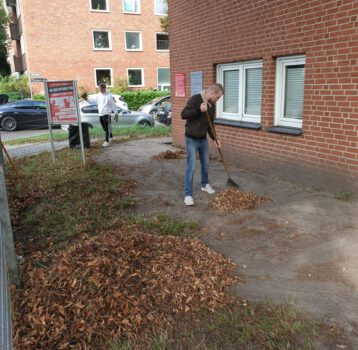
206, 33
59, 40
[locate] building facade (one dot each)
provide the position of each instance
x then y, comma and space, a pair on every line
289, 70
94, 41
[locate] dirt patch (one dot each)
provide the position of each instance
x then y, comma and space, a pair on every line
275, 244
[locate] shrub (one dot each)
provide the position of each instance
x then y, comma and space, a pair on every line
15, 86
135, 99
39, 97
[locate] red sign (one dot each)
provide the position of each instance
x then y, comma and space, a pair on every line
62, 100
179, 85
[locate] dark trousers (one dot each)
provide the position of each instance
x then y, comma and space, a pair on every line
105, 121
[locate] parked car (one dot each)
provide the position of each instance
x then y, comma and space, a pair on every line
164, 114
4, 98
118, 99
152, 107
90, 115
23, 114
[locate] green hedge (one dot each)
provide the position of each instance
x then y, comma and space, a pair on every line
135, 99
15, 88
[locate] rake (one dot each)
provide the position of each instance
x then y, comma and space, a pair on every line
230, 182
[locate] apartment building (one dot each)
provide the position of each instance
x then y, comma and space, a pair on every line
289, 69
90, 41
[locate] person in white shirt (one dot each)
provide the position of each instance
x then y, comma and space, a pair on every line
106, 105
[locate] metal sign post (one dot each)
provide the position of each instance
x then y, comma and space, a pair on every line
62, 106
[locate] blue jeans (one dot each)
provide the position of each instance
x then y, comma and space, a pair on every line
192, 146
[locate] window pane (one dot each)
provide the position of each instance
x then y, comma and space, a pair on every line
103, 76
294, 89
100, 5
101, 40
163, 76
253, 91
134, 77
161, 7
133, 41
162, 42
131, 5
231, 87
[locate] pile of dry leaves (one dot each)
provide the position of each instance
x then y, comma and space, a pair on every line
117, 284
180, 154
232, 200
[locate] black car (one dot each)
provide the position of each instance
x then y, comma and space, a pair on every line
164, 114
23, 114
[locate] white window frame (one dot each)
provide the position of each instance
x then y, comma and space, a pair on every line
241, 66
281, 64
157, 13
109, 40
93, 10
130, 12
162, 86
140, 40
103, 68
142, 72
156, 42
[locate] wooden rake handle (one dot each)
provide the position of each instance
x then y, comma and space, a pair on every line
215, 138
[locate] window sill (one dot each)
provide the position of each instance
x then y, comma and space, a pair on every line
240, 124
285, 130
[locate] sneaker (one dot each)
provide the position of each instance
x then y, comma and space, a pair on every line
105, 144
208, 189
188, 200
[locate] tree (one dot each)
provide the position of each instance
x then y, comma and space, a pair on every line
4, 43
164, 22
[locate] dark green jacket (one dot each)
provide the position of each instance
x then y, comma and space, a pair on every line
197, 124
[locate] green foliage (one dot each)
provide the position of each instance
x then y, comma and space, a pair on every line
11, 84
39, 97
120, 85
164, 23
4, 40
135, 99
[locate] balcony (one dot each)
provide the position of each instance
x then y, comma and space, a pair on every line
16, 30
11, 3
20, 63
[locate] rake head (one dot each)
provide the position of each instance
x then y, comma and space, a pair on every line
231, 183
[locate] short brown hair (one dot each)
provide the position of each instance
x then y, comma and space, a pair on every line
102, 85
216, 88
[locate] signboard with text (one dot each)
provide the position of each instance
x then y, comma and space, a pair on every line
196, 82
62, 101
179, 85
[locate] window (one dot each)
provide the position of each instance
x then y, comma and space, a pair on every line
103, 75
290, 78
99, 5
101, 40
131, 6
161, 7
133, 41
243, 85
135, 76
163, 79
162, 41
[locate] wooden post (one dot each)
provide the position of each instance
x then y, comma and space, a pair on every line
5, 221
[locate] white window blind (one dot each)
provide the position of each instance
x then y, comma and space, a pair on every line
231, 95
294, 91
253, 88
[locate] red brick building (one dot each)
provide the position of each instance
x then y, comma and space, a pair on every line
91, 40
290, 73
